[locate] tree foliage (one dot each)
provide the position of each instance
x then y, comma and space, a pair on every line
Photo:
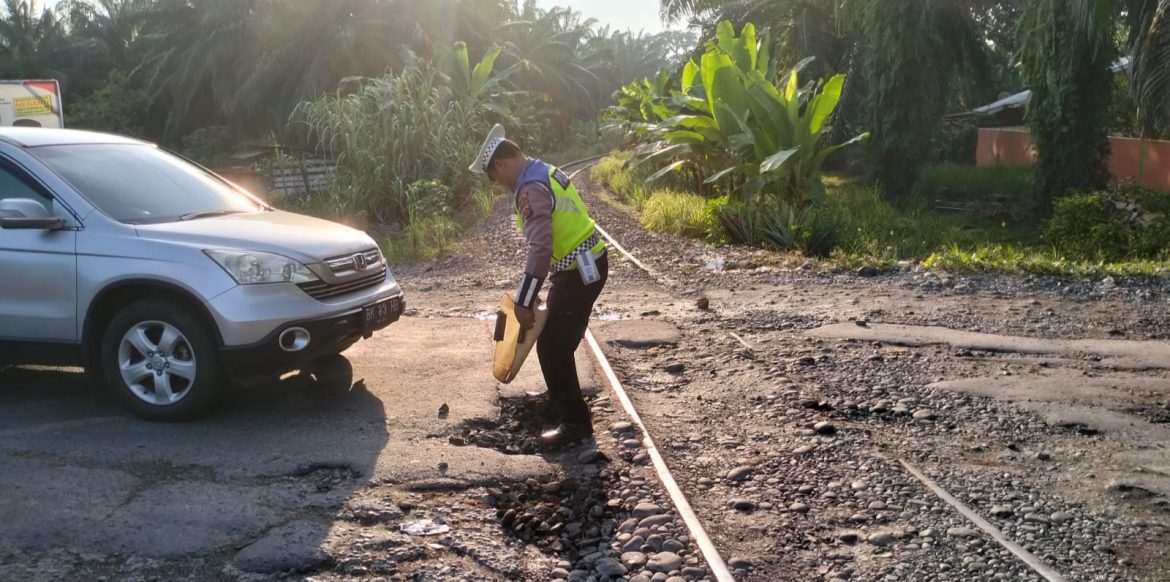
115, 107
421, 123
908, 62
730, 121
1068, 48
915, 53
244, 65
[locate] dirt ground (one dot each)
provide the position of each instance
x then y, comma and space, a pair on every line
786, 397
1042, 404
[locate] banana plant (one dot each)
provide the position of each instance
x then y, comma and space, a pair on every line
642, 106
740, 127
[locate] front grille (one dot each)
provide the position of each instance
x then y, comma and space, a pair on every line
355, 263
321, 290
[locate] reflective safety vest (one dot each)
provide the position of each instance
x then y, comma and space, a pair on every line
571, 224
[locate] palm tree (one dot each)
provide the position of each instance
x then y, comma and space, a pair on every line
110, 26
1148, 24
1067, 49
31, 40
101, 38
247, 63
551, 46
622, 57
914, 53
195, 55
306, 48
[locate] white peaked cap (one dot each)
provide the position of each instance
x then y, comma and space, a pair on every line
493, 141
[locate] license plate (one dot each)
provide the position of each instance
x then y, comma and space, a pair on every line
381, 314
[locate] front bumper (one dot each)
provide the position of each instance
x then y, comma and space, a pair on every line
328, 335
248, 314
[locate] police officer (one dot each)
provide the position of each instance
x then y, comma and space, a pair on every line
564, 249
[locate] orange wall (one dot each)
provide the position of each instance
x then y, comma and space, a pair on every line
1013, 147
1004, 147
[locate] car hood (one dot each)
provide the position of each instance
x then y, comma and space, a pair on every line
296, 236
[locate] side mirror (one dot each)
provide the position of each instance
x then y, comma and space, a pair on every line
27, 214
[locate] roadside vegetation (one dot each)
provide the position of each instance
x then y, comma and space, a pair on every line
825, 128
1117, 232
392, 95
852, 160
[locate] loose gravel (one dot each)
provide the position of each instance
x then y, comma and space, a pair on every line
787, 445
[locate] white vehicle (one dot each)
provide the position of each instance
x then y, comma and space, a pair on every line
31, 104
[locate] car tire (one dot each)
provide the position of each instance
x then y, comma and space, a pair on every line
161, 361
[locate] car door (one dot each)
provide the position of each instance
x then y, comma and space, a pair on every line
38, 270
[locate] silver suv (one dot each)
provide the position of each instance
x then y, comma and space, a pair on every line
165, 280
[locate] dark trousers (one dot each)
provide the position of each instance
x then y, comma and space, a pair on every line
570, 302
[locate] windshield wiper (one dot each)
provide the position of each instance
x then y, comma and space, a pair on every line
208, 214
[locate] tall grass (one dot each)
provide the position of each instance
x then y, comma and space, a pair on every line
423, 237
680, 213
485, 201
877, 232
625, 181
392, 132
988, 190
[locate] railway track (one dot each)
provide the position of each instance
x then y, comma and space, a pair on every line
710, 553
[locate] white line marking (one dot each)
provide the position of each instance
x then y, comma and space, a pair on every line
710, 554
1032, 561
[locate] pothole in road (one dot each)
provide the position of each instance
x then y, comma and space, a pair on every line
515, 432
326, 477
564, 516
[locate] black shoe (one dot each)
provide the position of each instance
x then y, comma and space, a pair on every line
567, 434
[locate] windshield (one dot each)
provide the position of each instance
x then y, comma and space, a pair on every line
140, 184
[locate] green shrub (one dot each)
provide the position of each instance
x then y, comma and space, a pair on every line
423, 237
119, 108
427, 199
741, 222
209, 146
716, 208
815, 232
873, 227
987, 191
1121, 224
430, 228
679, 213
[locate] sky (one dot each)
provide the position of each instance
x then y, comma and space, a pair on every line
629, 14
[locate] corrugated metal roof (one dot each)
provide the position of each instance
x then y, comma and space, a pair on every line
1021, 99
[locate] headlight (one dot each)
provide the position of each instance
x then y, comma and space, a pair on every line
253, 268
